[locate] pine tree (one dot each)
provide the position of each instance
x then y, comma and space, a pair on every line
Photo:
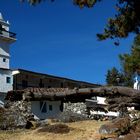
114, 77
131, 62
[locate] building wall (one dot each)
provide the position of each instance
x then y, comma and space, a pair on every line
4, 54
23, 80
4, 48
4, 62
36, 109
4, 86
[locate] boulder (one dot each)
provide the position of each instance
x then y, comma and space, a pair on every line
15, 115
115, 128
134, 136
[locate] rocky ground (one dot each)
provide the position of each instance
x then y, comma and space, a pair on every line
17, 114
81, 130
121, 129
72, 124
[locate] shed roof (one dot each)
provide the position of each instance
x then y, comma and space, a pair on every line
38, 94
72, 95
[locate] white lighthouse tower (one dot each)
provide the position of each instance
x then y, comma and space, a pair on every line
6, 79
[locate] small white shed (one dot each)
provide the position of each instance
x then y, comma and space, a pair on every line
46, 109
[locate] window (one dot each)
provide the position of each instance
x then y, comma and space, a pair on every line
41, 83
61, 107
26, 76
62, 85
50, 107
8, 80
43, 107
4, 59
24, 83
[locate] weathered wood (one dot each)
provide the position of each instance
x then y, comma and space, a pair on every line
115, 91
116, 97
100, 91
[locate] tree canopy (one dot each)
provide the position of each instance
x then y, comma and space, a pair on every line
114, 77
125, 21
130, 63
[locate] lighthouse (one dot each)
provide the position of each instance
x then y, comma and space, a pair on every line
6, 39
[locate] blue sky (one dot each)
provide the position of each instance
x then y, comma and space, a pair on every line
60, 39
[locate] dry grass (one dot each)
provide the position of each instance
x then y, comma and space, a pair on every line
82, 130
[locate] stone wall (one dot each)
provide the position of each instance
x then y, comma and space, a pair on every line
73, 112
19, 112
79, 108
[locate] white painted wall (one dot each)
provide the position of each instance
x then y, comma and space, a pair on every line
4, 49
5, 87
35, 109
4, 64
101, 100
110, 113
4, 53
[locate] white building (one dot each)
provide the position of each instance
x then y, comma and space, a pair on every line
136, 81
6, 38
46, 109
45, 102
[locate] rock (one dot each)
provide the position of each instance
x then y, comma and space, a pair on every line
106, 129
135, 128
115, 128
15, 115
55, 128
121, 129
134, 136
31, 125
71, 117
111, 139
